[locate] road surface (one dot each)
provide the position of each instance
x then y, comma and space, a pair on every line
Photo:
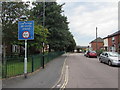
90, 73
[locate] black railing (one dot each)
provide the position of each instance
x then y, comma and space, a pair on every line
13, 66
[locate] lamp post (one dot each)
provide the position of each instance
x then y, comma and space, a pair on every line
43, 32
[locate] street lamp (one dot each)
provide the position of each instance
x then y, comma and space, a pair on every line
43, 32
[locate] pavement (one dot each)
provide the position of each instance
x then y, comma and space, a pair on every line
44, 78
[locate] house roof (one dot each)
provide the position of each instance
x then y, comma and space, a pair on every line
105, 37
99, 39
81, 46
114, 34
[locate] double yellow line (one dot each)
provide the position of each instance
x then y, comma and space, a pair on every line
62, 74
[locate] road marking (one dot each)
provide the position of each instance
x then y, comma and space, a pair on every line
58, 85
62, 72
66, 79
67, 76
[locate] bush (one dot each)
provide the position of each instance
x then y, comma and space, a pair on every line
99, 52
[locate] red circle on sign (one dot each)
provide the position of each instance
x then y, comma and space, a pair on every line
26, 34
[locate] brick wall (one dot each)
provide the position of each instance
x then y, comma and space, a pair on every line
99, 45
115, 44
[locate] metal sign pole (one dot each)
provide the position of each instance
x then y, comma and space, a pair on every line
25, 60
43, 56
25, 32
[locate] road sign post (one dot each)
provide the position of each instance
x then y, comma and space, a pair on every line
25, 60
25, 32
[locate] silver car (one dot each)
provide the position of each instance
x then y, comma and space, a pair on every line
111, 58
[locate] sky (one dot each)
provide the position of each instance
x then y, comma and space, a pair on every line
84, 17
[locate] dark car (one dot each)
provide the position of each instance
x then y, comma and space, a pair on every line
90, 54
111, 58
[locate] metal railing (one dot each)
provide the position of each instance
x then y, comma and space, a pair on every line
14, 66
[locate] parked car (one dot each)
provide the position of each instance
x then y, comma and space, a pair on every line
111, 58
90, 54
85, 54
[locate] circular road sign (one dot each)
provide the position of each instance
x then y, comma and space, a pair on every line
25, 34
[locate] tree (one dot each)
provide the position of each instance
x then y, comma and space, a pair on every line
40, 36
60, 37
11, 11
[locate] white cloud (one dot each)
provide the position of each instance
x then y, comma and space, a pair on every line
87, 1
85, 17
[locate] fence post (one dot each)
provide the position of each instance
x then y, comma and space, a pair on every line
4, 68
41, 59
32, 64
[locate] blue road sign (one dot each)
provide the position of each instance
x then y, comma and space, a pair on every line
25, 30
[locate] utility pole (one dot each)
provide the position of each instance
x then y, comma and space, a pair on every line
96, 40
43, 32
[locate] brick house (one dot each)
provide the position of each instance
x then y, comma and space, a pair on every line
114, 42
14, 49
105, 40
99, 42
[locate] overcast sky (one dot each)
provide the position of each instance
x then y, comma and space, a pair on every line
84, 17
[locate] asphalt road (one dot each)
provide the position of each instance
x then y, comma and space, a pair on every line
90, 73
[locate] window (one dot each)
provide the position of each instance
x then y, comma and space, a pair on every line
113, 39
110, 48
113, 48
15, 48
114, 54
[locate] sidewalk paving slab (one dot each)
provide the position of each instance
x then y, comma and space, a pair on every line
44, 78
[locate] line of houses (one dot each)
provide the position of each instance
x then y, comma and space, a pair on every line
108, 43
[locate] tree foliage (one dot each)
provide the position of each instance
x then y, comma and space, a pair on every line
60, 37
11, 11
55, 33
40, 37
